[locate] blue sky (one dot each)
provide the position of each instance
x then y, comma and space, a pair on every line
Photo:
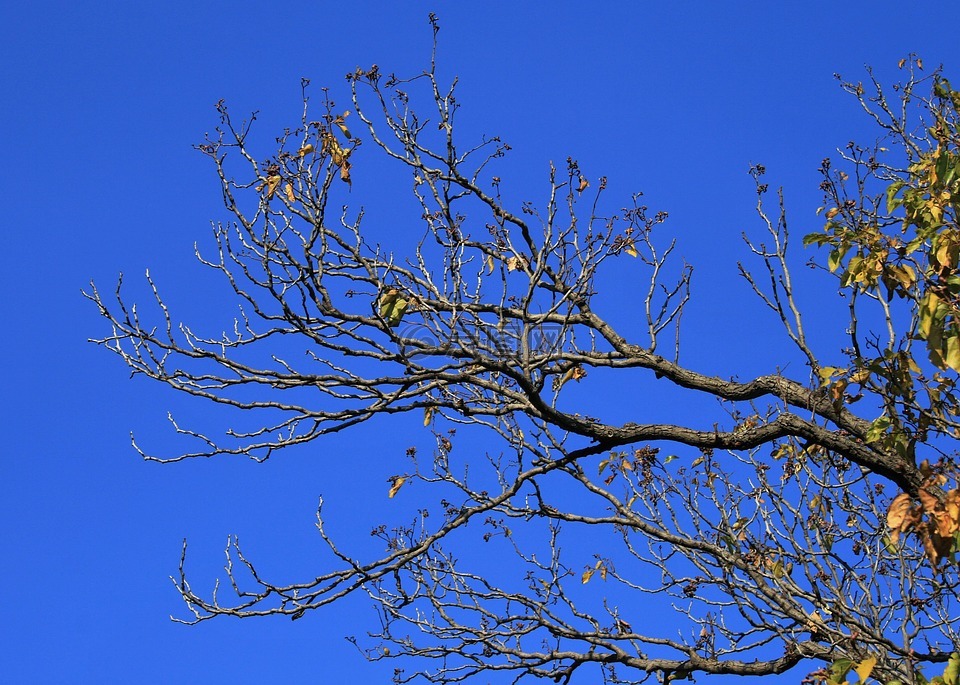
100, 105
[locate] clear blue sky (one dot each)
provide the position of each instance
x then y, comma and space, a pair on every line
101, 102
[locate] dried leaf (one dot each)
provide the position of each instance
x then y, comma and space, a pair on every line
584, 184
952, 505
396, 482
339, 121
946, 525
273, 182
575, 373
428, 415
338, 155
933, 554
516, 263
897, 513
490, 265
928, 500
587, 575
305, 150
288, 189
345, 173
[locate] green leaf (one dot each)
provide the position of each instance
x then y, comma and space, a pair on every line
952, 358
892, 200
840, 668
928, 314
943, 164
878, 428
833, 261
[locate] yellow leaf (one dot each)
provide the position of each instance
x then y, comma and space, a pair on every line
865, 668
828, 372
489, 262
288, 188
832, 212
393, 306
587, 575
305, 150
631, 248
428, 415
396, 482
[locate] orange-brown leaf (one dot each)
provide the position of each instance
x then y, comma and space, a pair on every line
928, 500
897, 513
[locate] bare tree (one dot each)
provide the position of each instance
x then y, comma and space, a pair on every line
792, 532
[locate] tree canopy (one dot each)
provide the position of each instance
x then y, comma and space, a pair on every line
804, 520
